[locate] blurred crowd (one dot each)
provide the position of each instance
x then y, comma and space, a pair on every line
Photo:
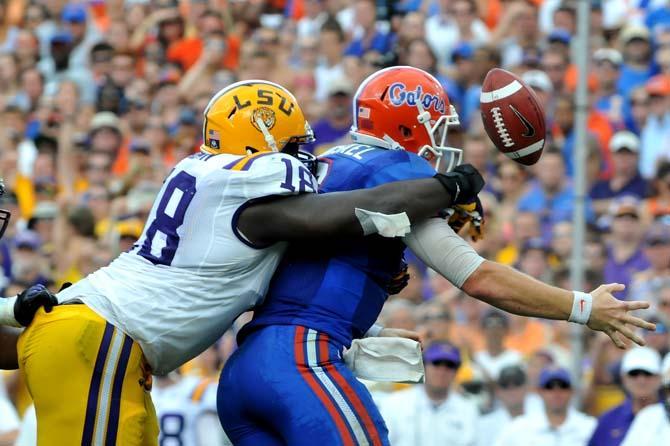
100, 98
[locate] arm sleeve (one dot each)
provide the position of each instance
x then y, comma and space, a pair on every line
270, 174
440, 248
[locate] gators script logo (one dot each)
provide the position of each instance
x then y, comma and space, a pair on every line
399, 95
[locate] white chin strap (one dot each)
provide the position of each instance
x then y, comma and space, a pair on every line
385, 143
269, 139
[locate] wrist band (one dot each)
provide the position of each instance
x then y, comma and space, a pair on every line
7, 312
581, 307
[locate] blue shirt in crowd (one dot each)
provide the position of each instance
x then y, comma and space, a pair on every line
637, 187
380, 42
629, 78
551, 210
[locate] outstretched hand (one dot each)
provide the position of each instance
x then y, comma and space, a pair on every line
612, 316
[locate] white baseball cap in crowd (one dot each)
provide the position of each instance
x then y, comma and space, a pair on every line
625, 140
538, 79
641, 358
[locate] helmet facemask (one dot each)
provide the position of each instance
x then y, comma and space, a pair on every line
445, 158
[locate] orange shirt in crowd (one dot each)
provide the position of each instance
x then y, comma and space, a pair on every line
494, 10
98, 9
531, 337
187, 51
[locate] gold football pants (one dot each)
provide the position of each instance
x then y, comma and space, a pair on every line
88, 381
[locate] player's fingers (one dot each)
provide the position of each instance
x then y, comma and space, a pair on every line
613, 287
630, 334
615, 339
641, 323
636, 305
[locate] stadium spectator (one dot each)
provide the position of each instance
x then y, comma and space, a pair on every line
652, 425
99, 100
495, 357
333, 128
647, 283
561, 245
534, 259
443, 33
511, 389
367, 35
626, 178
624, 253
433, 413
640, 373
399, 313
552, 195
558, 424
436, 321
664, 301
637, 57
656, 131
607, 98
658, 339
543, 88
658, 204
460, 75
555, 64
331, 41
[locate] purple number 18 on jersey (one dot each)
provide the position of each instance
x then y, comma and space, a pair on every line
161, 241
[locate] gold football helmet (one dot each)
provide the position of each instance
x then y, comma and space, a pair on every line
253, 116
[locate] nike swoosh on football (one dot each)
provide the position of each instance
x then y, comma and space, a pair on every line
530, 130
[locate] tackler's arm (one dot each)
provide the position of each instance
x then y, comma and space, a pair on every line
388, 209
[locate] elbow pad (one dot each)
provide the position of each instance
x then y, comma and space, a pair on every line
434, 242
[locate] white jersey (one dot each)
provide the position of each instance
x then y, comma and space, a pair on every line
186, 415
191, 273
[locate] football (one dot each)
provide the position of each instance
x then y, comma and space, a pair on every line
513, 117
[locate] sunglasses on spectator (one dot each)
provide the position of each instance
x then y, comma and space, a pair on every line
628, 215
664, 304
636, 373
445, 363
515, 384
556, 385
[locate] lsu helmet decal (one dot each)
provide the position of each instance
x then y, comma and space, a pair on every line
408, 109
253, 116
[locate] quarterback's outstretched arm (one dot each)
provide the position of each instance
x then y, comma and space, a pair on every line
349, 213
506, 288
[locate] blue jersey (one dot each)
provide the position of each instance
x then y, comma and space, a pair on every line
338, 287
